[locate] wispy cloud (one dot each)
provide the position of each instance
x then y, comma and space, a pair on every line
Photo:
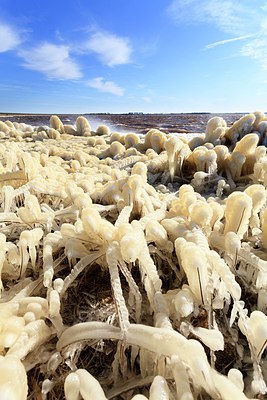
223, 13
226, 41
147, 99
52, 60
59, 37
106, 86
9, 38
235, 17
257, 49
110, 49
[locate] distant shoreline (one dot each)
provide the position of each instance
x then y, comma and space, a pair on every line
11, 114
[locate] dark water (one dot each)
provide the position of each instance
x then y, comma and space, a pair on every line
139, 123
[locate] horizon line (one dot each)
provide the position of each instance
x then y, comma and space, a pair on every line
8, 113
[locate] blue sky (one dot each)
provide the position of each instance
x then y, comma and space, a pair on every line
78, 56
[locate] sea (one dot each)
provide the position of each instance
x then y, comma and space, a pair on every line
138, 122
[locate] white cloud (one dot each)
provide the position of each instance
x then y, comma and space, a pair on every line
106, 86
52, 60
59, 36
226, 41
147, 99
235, 17
257, 49
9, 38
111, 49
223, 13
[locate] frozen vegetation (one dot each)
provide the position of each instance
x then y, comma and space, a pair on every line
133, 267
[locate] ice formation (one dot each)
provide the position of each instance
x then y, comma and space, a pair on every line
147, 253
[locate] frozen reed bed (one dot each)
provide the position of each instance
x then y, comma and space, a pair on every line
133, 268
